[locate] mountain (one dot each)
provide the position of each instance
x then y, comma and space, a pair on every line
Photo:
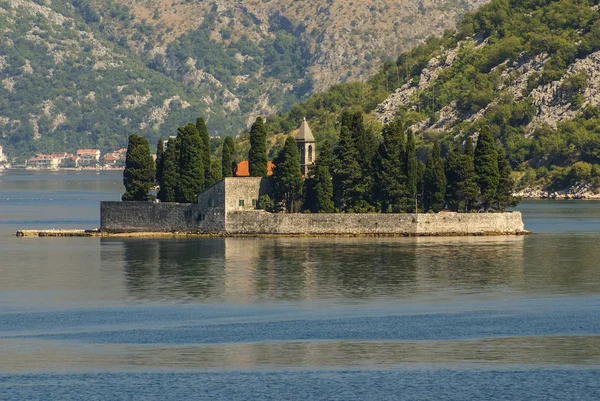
529, 70
87, 73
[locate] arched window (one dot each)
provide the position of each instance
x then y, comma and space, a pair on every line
310, 153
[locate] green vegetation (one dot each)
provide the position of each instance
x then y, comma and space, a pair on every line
434, 181
227, 157
169, 179
139, 174
257, 157
287, 176
500, 35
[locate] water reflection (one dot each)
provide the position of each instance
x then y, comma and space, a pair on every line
254, 269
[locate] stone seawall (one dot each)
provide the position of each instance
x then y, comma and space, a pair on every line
422, 224
123, 217
131, 217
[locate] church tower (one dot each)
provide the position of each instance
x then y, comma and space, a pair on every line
306, 147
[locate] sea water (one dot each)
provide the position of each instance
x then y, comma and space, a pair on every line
512, 318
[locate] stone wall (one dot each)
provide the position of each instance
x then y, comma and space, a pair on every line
374, 224
247, 189
123, 217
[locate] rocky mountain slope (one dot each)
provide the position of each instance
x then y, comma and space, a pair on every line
86, 73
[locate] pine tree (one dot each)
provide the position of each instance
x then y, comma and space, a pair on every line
203, 131
506, 185
323, 186
257, 158
389, 169
160, 150
139, 175
435, 181
411, 169
227, 157
170, 176
214, 175
191, 168
486, 167
453, 179
346, 170
287, 176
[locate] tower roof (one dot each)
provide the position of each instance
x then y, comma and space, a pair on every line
304, 133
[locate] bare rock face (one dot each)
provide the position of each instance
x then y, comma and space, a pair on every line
577, 191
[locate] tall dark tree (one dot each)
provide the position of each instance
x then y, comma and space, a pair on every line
486, 167
139, 175
160, 150
170, 174
390, 171
411, 168
461, 187
227, 157
506, 184
257, 158
364, 141
191, 167
214, 175
435, 181
346, 169
323, 186
203, 131
287, 176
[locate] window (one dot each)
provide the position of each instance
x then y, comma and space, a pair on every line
241, 203
254, 202
210, 203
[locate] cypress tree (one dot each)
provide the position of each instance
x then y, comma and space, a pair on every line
214, 174
469, 191
453, 179
389, 169
203, 131
227, 157
170, 176
346, 170
160, 150
435, 181
420, 195
506, 184
486, 167
191, 168
323, 186
287, 175
257, 158
411, 169
139, 175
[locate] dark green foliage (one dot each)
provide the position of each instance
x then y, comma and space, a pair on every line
346, 169
191, 168
265, 203
390, 170
486, 167
160, 150
323, 186
411, 166
257, 157
461, 186
287, 176
203, 131
227, 157
170, 174
214, 174
139, 174
506, 184
434, 181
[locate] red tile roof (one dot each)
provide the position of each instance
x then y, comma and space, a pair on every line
243, 169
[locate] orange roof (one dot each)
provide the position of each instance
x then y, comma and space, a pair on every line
243, 170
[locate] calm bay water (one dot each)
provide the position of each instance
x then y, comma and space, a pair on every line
512, 318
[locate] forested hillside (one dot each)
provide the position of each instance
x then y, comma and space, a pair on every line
87, 73
527, 69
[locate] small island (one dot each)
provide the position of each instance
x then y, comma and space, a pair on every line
366, 186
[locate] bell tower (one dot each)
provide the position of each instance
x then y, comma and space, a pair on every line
306, 147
